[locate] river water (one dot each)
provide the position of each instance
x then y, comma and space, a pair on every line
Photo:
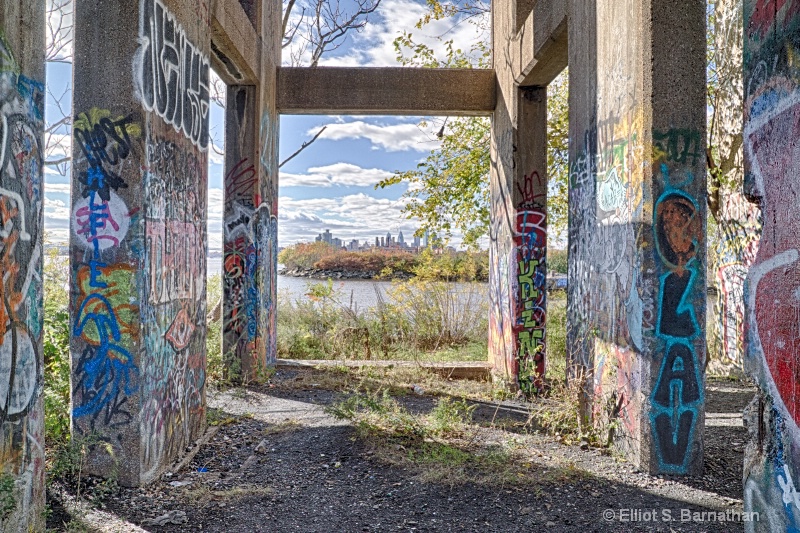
361, 293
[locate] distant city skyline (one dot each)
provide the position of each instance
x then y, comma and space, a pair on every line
387, 241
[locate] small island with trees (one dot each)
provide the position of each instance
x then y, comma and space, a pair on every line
322, 261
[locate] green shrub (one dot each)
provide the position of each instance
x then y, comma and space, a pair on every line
557, 260
214, 366
56, 336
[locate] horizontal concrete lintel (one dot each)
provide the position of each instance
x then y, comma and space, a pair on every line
385, 91
543, 44
236, 52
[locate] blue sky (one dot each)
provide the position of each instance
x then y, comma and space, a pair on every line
330, 185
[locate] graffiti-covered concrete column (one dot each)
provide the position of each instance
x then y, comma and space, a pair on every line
21, 230
637, 224
518, 236
241, 302
250, 218
772, 288
138, 248
519, 239
266, 234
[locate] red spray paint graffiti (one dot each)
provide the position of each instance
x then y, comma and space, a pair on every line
775, 278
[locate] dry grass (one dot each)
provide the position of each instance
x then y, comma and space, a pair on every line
203, 494
445, 445
288, 426
398, 380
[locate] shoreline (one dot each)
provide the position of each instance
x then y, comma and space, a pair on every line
554, 281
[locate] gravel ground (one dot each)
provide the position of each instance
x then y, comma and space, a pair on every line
281, 463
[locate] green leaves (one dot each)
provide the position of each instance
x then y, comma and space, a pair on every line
449, 190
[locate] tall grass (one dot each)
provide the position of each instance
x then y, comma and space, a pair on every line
419, 319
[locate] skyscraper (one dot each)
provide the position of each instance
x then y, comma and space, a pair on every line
400, 240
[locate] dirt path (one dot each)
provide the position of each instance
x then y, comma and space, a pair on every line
282, 463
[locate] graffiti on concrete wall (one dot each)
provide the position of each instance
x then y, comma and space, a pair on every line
679, 235
605, 197
172, 74
241, 264
772, 161
738, 231
267, 234
501, 260
105, 317
173, 313
21, 200
530, 241
610, 307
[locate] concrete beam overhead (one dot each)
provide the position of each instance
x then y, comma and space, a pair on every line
235, 45
386, 91
541, 51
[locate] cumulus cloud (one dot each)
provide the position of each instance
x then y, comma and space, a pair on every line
342, 174
48, 202
355, 216
390, 137
63, 188
374, 45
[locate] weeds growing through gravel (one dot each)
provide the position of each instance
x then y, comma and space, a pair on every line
443, 445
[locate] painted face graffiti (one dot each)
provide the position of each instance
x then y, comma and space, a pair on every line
677, 230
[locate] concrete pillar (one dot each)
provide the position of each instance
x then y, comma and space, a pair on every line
138, 248
250, 218
772, 162
266, 233
22, 96
241, 301
637, 224
518, 235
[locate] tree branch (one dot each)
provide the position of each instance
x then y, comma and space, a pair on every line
303, 147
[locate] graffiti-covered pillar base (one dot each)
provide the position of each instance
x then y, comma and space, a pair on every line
772, 287
22, 95
138, 244
637, 205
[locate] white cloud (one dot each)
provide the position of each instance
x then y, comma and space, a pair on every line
355, 216
343, 174
48, 202
216, 155
390, 137
58, 145
64, 188
374, 44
